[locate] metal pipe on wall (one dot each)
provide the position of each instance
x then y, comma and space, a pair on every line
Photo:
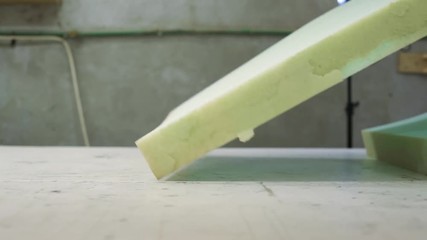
35, 38
175, 32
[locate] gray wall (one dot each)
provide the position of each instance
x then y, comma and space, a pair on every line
129, 84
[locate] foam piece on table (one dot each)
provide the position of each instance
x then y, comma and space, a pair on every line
312, 59
403, 143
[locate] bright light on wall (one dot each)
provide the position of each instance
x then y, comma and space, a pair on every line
341, 2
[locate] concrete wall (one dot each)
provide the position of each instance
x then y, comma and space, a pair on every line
87, 15
129, 84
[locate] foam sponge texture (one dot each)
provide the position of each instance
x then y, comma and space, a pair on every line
319, 55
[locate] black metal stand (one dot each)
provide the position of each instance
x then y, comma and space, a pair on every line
350, 107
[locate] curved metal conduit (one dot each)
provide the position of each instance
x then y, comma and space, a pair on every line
72, 71
59, 36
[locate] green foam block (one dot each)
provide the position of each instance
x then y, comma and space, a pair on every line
319, 55
402, 143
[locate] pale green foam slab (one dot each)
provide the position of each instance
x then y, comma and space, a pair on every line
309, 61
402, 143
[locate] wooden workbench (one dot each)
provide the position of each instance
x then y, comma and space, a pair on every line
109, 193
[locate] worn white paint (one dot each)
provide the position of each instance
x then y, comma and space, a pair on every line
109, 193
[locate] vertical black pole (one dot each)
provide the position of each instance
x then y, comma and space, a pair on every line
350, 112
350, 105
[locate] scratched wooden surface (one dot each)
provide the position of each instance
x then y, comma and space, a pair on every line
109, 193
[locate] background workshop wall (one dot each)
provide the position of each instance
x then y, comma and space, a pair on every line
129, 83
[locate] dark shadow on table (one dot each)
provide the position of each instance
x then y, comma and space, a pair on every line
214, 168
